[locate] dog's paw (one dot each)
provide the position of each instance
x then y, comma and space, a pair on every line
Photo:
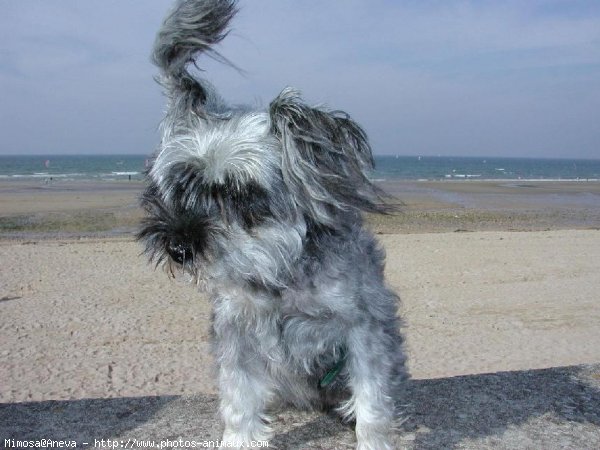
236, 440
372, 437
383, 444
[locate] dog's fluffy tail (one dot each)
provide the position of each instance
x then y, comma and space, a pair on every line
192, 27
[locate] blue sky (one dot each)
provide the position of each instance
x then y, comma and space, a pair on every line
485, 78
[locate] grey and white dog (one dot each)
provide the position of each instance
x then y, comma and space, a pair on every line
263, 209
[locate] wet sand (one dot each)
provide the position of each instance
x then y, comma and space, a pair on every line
109, 209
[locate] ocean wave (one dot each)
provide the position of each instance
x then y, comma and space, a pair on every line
462, 175
125, 173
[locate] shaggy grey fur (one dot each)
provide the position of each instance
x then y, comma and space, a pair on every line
263, 210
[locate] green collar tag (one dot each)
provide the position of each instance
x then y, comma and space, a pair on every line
335, 370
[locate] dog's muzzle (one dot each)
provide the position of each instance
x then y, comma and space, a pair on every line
179, 252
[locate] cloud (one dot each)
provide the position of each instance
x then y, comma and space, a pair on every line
426, 77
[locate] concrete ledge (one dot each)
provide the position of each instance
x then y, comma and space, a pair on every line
556, 408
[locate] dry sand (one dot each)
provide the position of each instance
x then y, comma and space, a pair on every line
88, 318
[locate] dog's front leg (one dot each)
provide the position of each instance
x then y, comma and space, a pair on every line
371, 369
244, 395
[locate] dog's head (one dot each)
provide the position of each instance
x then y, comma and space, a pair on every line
241, 191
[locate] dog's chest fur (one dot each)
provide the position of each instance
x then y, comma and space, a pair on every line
299, 330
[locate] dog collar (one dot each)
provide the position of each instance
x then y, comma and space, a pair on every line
335, 370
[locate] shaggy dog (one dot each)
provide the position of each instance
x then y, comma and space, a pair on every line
263, 210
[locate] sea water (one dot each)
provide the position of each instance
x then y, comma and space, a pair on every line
115, 167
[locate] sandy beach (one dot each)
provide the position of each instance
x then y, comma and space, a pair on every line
494, 277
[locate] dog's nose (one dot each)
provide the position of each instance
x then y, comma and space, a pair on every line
180, 252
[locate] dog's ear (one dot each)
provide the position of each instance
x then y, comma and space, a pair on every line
192, 28
326, 159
